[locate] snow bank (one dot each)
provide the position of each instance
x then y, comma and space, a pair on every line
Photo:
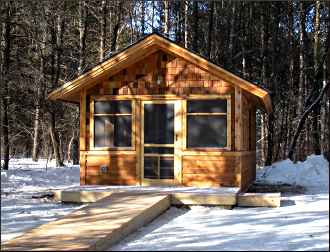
313, 173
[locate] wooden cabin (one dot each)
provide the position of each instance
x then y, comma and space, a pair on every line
158, 114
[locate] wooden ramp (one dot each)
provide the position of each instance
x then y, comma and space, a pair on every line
96, 226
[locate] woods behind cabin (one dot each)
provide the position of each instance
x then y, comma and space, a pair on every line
280, 46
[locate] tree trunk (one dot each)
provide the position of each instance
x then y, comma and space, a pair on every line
291, 103
185, 24
39, 97
324, 113
103, 28
166, 18
153, 16
6, 29
195, 27
116, 29
57, 30
317, 109
35, 148
143, 17
229, 59
301, 58
82, 34
210, 30
73, 150
55, 143
262, 77
272, 83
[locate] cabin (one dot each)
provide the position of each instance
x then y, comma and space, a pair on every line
156, 113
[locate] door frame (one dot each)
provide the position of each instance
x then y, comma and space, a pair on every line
178, 141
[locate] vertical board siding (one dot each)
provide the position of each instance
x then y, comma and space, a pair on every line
248, 169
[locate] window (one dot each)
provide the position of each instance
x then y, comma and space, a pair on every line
207, 123
113, 123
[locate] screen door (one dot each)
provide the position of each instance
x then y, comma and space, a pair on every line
161, 141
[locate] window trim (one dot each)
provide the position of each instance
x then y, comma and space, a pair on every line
91, 129
185, 122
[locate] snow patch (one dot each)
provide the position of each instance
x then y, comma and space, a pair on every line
313, 173
25, 178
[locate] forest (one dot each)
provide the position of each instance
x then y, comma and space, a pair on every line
282, 46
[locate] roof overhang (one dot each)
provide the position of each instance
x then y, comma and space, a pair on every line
70, 91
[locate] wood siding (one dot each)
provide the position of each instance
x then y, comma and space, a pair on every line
247, 164
208, 171
121, 169
163, 74
156, 76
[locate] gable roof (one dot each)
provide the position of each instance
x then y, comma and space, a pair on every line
153, 42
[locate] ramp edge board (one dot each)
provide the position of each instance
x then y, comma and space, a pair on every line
80, 196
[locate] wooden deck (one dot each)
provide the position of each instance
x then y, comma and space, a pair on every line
94, 227
113, 214
178, 195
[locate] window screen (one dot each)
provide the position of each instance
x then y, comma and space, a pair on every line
207, 123
207, 106
112, 107
112, 124
159, 123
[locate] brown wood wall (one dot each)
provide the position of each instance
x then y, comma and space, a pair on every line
180, 78
213, 171
121, 167
247, 164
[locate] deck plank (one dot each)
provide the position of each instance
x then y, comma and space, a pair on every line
94, 227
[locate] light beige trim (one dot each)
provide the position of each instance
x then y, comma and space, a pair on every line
206, 114
140, 97
159, 182
177, 144
82, 137
158, 145
157, 155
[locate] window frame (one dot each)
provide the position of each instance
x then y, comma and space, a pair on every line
185, 123
91, 116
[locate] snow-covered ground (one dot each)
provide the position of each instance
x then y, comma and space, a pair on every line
301, 223
19, 212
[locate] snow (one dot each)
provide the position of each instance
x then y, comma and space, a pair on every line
301, 223
313, 173
19, 212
